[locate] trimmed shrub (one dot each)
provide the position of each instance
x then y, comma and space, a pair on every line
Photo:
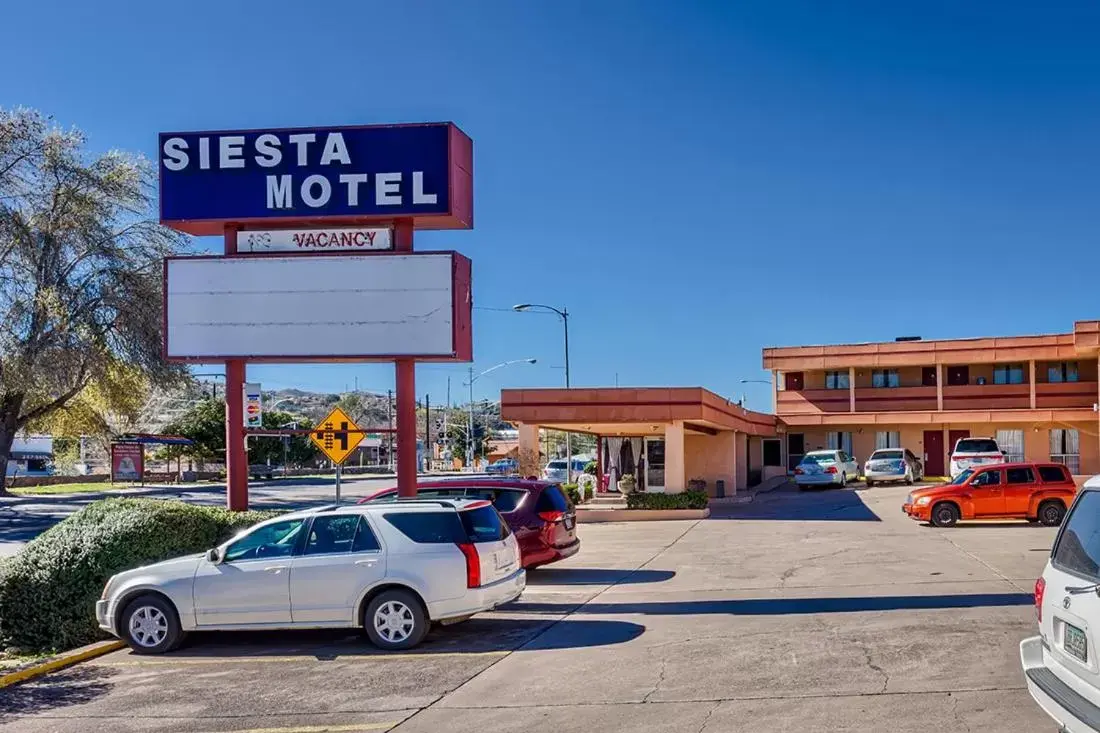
49, 589
684, 500
573, 491
591, 468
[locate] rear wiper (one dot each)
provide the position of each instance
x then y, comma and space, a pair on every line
1078, 590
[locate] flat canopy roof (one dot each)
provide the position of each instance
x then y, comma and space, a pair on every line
627, 410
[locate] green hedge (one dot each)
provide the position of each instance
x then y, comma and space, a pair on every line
684, 500
573, 491
49, 589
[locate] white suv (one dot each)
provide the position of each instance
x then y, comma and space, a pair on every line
1060, 664
392, 569
972, 452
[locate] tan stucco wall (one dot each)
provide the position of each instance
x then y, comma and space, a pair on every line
711, 457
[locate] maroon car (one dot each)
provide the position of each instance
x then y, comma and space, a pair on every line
539, 513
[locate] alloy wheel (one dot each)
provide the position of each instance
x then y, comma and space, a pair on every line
148, 626
394, 621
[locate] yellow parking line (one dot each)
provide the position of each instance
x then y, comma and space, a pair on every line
301, 658
349, 728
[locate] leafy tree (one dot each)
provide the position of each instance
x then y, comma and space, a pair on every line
299, 448
205, 425
80, 281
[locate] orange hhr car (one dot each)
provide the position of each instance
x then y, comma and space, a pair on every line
1038, 492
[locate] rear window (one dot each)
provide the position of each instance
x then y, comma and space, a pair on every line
886, 455
483, 525
819, 458
1020, 476
552, 500
1053, 473
1078, 548
505, 500
556, 464
428, 528
977, 445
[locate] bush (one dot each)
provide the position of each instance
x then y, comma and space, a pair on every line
591, 468
685, 500
49, 589
573, 491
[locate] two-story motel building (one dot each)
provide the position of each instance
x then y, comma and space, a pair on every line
1037, 395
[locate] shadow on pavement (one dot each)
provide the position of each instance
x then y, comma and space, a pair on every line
74, 686
784, 606
595, 576
829, 505
477, 635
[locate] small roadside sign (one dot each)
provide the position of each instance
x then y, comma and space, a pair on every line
253, 406
336, 436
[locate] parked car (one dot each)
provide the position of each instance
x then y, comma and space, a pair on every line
555, 469
971, 452
503, 467
1039, 492
825, 468
260, 471
1060, 663
893, 464
391, 569
539, 512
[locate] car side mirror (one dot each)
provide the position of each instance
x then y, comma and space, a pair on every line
214, 556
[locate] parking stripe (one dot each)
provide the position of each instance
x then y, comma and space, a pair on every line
299, 658
349, 728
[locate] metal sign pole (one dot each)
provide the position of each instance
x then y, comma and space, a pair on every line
339, 471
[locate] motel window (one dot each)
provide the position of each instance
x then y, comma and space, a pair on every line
772, 453
1063, 371
1011, 442
836, 380
1008, 374
839, 441
887, 439
885, 378
1065, 448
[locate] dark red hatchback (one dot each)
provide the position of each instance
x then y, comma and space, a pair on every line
538, 512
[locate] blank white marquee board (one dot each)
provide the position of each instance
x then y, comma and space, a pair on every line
309, 307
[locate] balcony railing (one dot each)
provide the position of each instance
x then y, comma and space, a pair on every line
955, 398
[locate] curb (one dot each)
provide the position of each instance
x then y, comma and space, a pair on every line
61, 661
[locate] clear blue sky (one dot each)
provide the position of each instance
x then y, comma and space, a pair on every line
693, 180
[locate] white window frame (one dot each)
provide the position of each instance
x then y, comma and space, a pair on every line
839, 379
1008, 371
887, 439
1065, 448
1011, 441
885, 378
839, 440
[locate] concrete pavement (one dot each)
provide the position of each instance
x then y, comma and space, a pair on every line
824, 611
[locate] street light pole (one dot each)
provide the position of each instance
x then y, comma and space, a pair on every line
564, 314
470, 405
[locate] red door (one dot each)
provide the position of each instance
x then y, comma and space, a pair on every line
928, 376
793, 381
933, 453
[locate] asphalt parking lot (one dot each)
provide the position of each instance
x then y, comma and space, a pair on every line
817, 611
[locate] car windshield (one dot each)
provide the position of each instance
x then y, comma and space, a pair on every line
886, 455
556, 464
962, 477
818, 458
977, 445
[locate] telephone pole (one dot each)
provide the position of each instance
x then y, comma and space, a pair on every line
389, 410
428, 452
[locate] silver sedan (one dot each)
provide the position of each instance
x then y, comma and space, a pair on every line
893, 464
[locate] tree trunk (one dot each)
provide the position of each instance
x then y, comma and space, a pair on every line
10, 405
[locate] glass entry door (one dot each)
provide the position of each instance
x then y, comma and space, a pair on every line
655, 464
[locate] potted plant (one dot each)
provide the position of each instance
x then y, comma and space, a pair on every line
627, 484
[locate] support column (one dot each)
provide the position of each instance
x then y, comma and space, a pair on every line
405, 372
529, 459
775, 391
675, 467
939, 390
236, 450
851, 389
1031, 382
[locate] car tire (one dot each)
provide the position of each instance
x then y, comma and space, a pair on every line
908, 478
150, 625
870, 483
395, 619
843, 480
944, 514
1051, 513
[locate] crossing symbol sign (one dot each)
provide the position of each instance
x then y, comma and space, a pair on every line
337, 436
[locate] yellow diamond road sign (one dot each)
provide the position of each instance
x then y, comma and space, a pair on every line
337, 436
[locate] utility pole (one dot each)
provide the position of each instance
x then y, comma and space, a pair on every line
428, 452
446, 413
470, 423
389, 410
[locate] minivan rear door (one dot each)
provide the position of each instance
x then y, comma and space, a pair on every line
496, 547
1071, 605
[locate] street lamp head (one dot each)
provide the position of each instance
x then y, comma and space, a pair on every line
531, 361
521, 306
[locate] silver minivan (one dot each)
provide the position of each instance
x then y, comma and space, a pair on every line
1060, 664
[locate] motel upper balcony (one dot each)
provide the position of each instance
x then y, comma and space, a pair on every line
1056, 371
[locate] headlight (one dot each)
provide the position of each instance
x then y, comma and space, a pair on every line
923, 500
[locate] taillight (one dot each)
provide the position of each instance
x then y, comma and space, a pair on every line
1040, 589
830, 469
798, 471
473, 564
552, 516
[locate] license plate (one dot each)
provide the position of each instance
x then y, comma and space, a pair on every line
1075, 642
568, 521
503, 560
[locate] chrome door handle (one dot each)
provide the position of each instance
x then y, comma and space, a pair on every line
275, 569
366, 562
